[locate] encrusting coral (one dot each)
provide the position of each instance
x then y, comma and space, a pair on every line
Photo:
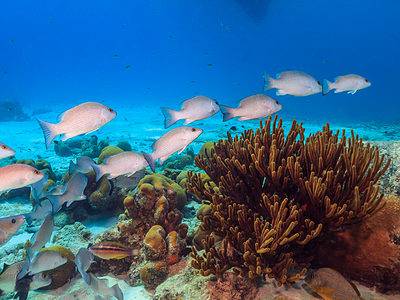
275, 196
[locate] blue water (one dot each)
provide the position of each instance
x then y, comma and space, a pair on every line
162, 52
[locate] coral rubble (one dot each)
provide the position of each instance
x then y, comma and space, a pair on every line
274, 196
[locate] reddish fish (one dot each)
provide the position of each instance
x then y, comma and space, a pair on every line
111, 250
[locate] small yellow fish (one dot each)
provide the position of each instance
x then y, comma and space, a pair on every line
111, 250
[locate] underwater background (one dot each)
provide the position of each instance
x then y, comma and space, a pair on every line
139, 56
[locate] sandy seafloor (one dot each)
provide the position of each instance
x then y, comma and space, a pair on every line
140, 126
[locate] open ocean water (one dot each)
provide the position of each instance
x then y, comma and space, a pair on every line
136, 57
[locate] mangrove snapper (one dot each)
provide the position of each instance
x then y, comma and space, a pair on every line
175, 140
347, 83
124, 163
17, 176
9, 226
193, 109
5, 151
252, 107
81, 119
293, 83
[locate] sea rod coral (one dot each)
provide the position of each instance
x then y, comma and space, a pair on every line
273, 196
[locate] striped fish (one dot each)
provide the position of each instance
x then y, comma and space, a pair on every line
111, 250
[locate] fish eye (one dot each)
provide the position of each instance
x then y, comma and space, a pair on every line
110, 110
276, 101
13, 220
36, 172
366, 80
319, 82
3, 147
193, 129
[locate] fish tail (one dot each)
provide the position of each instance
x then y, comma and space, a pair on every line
269, 82
98, 171
116, 292
227, 112
49, 132
170, 116
326, 86
150, 160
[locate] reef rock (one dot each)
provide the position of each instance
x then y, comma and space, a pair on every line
369, 252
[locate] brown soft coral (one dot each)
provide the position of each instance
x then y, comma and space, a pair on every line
272, 195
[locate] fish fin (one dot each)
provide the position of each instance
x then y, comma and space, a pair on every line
326, 87
245, 118
227, 112
163, 159
150, 160
310, 291
280, 93
183, 149
49, 132
98, 171
170, 116
116, 291
76, 186
269, 82
352, 92
188, 121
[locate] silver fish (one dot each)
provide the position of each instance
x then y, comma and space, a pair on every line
17, 176
347, 83
40, 280
9, 226
100, 287
193, 109
40, 211
81, 119
6, 151
44, 261
83, 260
124, 163
37, 188
84, 164
73, 191
8, 276
43, 235
293, 83
175, 140
252, 107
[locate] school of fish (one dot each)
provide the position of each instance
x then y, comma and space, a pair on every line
88, 117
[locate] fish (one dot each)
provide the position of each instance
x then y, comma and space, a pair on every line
6, 151
124, 163
111, 250
330, 284
84, 165
40, 211
43, 235
347, 83
37, 189
175, 140
252, 107
100, 287
83, 260
17, 176
8, 276
73, 191
82, 119
44, 261
25, 284
293, 83
9, 226
193, 109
